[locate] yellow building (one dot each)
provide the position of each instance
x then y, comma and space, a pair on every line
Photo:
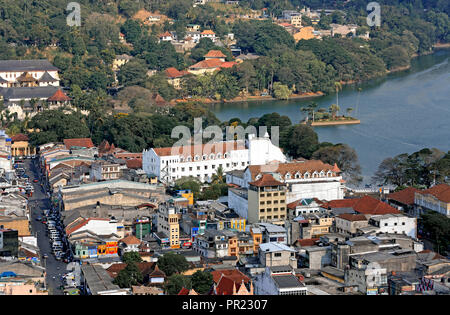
168, 223
267, 200
304, 33
20, 146
119, 61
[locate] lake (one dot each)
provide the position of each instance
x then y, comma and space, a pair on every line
400, 113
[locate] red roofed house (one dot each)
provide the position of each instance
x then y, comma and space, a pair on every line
231, 282
166, 36
129, 243
364, 205
228, 64
134, 164
174, 76
58, 99
78, 142
205, 66
215, 54
208, 34
436, 198
403, 199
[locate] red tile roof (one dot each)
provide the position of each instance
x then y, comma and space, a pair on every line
208, 32
19, 137
165, 34
215, 54
228, 64
144, 267
201, 149
352, 217
207, 64
233, 274
134, 163
307, 242
130, 240
59, 96
266, 180
441, 192
293, 167
405, 196
183, 291
364, 205
78, 142
173, 73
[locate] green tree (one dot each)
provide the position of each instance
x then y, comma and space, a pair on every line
131, 257
299, 141
281, 91
202, 281
171, 263
175, 283
130, 275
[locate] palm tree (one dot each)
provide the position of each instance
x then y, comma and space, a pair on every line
334, 109
349, 110
357, 102
338, 87
218, 178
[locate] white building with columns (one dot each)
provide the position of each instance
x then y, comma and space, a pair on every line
203, 160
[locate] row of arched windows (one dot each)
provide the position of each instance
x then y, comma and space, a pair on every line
205, 157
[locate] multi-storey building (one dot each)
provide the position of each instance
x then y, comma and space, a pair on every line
168, 224
28, 73
203, 160
103, 170
436, 198
267, 200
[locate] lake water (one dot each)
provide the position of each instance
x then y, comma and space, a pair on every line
400, 113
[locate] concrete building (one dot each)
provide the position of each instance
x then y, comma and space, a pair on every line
277, 254
168, 224
266, 200
369, 279
103, 170
348, 224
203, 160
304, 179
96, 281
395, 223
280, 280
436, 198
17, 73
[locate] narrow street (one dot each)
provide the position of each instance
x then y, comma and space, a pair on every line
38, 203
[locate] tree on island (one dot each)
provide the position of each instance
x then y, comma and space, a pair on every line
338, 87
349, 110
334, 110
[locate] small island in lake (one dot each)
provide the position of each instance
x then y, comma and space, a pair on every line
330, 117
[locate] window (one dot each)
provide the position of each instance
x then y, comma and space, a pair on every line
277, 254
385, 224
